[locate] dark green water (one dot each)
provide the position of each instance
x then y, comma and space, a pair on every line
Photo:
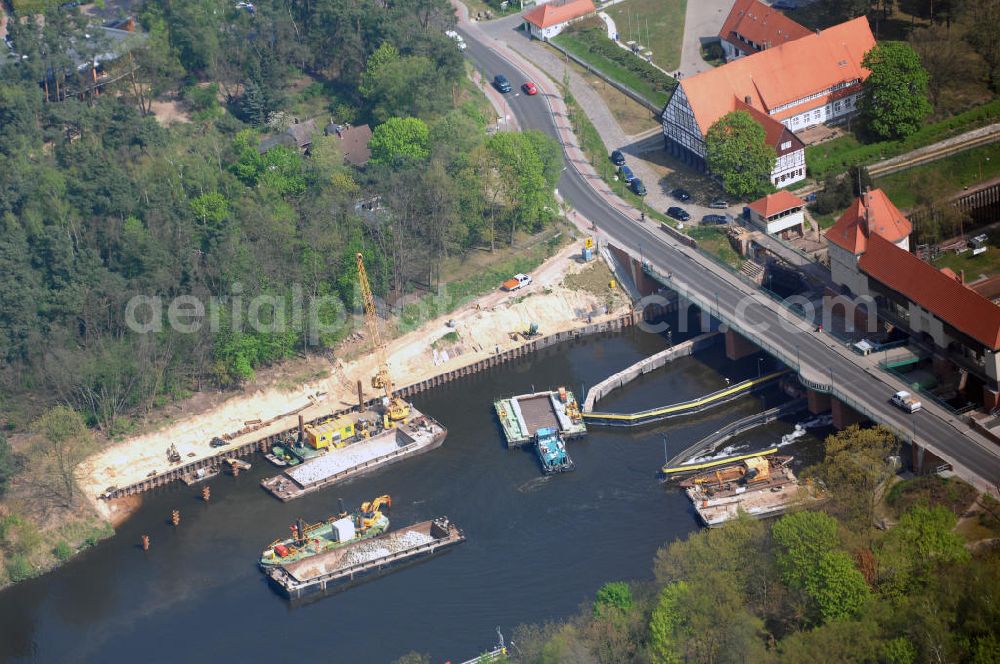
537, 547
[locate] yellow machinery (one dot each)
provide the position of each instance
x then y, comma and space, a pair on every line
396, 409
370, 511
334, 433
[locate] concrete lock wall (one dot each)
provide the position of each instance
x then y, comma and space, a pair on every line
644, 366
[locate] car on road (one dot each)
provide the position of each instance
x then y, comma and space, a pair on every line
811, 198
719, 204
681, 194
626, 174
905, 401
678, 213
529, 88
501, 83
518, 282
715, 219
617, 158
637, 187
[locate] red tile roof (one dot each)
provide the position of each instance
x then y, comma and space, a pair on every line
880, 216
922, 283
777, 76
776, 203
757, 22
775, 133
556, 12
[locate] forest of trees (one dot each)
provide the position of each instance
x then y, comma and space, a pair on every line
812, 586
100, 202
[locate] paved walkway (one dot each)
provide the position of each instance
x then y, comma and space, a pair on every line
702, 21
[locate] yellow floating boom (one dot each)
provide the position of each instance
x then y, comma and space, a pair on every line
716, 462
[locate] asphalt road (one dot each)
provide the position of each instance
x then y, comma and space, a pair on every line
820, 358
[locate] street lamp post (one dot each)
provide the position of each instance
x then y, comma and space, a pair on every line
798, 358
831, 377
760, 371
665, 457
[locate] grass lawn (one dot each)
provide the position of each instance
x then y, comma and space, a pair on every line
578, 45
958, 171
656, 24
713, 240
838, 155
987, 264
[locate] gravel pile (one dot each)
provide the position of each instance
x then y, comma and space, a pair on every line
367, 552
339, 460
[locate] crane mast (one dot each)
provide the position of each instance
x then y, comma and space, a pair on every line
396, 408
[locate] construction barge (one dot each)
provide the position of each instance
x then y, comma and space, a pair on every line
760, 486
416, 434
521, 417
341, 568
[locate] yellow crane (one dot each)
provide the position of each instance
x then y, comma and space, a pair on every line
396, 409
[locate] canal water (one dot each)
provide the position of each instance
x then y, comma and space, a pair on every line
537, 547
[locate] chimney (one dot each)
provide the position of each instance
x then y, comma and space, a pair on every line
865, 220
961, 277
748, 101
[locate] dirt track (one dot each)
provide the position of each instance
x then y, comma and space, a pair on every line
482, 327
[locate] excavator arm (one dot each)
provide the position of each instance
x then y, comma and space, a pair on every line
396, 408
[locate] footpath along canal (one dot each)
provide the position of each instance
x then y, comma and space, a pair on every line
537, 547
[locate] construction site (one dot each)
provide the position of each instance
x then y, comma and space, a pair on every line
493, 329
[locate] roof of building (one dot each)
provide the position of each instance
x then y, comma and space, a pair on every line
871, 212
922, 283
756, 22
776, 203
558, 11
355, 144
775, 133
302, 132
767, 80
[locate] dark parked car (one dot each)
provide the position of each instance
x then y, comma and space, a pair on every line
680, 214
626, 173
715, 219
681, 194
718, 204
617, 158
501, 83
811, 198
637, 187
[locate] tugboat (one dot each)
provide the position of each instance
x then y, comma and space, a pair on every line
552, 451
337, 531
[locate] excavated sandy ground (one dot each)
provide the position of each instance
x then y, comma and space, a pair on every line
483, 328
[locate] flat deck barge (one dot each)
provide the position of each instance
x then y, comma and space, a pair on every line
418, 434
522, 416
766, 488
341, 568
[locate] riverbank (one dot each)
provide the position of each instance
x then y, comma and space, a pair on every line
461, 338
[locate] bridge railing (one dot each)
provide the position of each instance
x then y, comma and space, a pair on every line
783, 353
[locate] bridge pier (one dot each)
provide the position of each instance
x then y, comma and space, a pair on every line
843, 415
819, 402
923, 461
991, 398
738, 347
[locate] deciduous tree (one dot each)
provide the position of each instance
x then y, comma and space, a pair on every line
738, 153
66, 442
894, 96
400, 140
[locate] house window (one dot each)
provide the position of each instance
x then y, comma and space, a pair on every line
816, 114
836, 106
786, 145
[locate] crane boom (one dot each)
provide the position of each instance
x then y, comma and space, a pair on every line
396, 408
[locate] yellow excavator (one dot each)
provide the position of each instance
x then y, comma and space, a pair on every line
371, 511
396, 409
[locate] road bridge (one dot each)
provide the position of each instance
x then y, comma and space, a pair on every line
827, 367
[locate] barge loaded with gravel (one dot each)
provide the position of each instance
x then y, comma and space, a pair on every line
341, 568
415, 435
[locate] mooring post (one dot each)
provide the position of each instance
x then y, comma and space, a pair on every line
361, 398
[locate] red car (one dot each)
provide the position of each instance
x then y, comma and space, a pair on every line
529, 88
